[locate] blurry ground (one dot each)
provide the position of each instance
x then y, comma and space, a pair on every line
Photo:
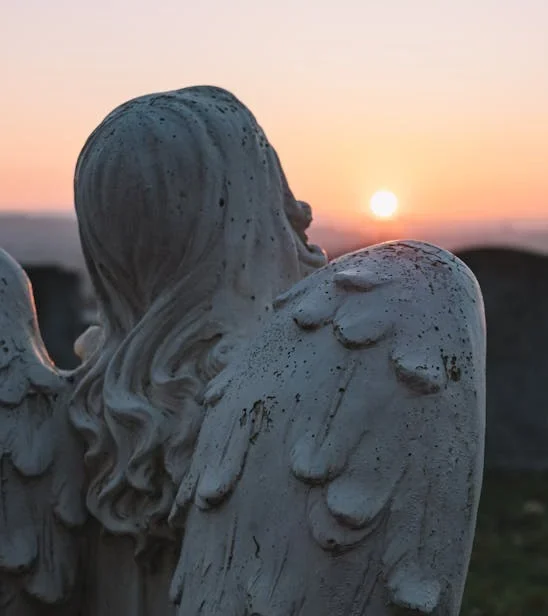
509, 569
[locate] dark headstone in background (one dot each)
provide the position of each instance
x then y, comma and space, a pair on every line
515, 289
59, 305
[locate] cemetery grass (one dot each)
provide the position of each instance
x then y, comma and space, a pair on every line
509, 568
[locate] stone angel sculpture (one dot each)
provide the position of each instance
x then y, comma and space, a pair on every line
252, 430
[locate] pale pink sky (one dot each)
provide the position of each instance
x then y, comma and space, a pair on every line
443, 102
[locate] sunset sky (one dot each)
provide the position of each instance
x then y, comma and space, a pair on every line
444, 103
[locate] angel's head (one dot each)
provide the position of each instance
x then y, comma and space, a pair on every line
189, 230
183, 187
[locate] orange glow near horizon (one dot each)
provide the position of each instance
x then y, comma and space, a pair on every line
353, 97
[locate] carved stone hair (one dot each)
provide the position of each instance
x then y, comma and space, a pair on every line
189, 231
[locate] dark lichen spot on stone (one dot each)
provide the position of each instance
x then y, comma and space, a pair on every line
452, 370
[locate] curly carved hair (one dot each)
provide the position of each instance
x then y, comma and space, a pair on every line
189, 230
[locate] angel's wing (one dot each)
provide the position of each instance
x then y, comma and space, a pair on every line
339, 466
41, 463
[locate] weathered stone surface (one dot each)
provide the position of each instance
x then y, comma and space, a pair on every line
356, 417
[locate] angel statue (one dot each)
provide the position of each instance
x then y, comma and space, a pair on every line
252, 430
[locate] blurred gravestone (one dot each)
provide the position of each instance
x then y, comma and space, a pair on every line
515, 290
60, 312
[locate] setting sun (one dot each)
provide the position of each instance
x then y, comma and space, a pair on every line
383, 204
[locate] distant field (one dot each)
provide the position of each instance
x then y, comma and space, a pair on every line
509, 569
